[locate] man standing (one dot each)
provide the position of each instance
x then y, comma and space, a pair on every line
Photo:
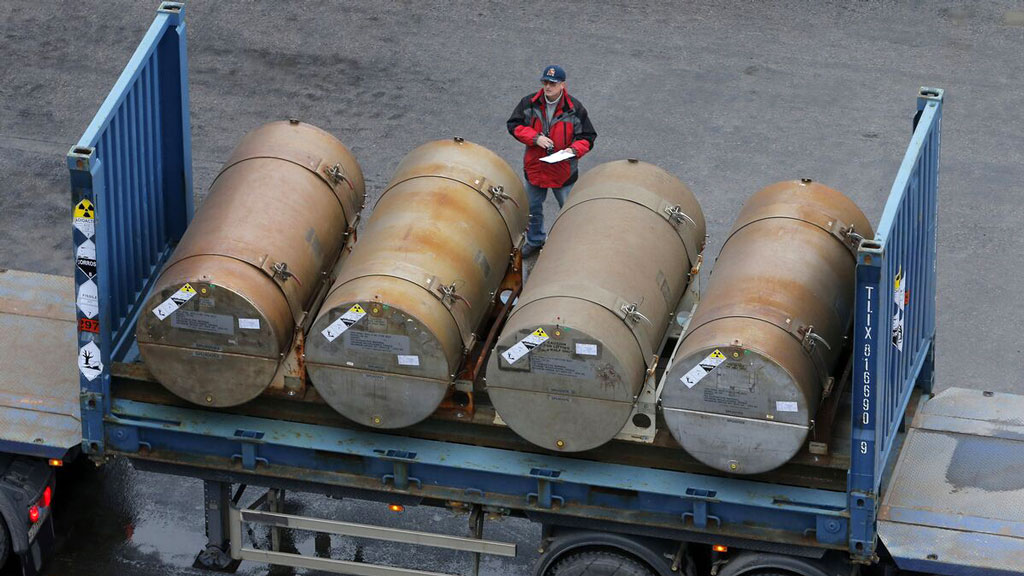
549, 121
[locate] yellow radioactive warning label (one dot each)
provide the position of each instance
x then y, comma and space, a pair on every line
539, 332
357, 309
188, 289
84, 209
717, 355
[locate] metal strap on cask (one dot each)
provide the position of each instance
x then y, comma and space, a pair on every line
800, 331
673, 214
332, 173
627, 311
503, 202
447, 294
276, 270
841, 231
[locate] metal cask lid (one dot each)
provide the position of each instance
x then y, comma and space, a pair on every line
734, 405
377, 363
200, 332
574, 390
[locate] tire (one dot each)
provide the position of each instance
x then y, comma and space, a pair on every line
599, 563
5, 543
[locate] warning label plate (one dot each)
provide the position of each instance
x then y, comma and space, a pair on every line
703, 368
343, 323
184, 294
89, 363
85, 218
523, 347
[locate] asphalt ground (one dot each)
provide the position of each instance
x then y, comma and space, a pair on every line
730, 97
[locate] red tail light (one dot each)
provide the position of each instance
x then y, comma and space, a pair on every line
47, 496
33, 514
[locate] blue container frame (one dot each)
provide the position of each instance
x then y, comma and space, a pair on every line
885, 375
134, 164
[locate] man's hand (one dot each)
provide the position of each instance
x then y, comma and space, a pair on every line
545, 142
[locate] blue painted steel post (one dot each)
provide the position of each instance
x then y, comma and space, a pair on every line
92, 304
869, 336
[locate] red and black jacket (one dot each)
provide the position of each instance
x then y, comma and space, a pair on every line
570, 128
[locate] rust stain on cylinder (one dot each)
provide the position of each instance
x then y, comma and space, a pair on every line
626, 240
256, 252
433, 252
778, 306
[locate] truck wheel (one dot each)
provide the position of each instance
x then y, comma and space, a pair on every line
5, 543
599, 563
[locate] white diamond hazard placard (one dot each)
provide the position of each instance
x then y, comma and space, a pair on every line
85, 258
88, 299
89, 363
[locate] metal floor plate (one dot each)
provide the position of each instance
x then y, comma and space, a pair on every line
955, 504
39, 410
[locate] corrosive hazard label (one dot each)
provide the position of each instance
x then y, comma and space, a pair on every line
524, 346
85, 218
85, 258
703, 368
344, 322
184, 294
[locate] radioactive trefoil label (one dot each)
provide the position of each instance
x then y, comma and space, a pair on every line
524, 346
343, 323
703, 368
89, 363
85, 218
184, 294
900, 297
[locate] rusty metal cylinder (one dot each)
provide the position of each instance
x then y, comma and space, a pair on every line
224, 310
747, 378
574, 354
396, 325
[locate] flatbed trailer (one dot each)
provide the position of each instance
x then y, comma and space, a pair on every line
40, 426
870, 494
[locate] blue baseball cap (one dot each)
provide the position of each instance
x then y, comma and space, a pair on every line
553, 73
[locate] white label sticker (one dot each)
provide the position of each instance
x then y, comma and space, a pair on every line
249, 323
344, 322
89, 363
88, 300
184, 294
586, 349
408, 360
85, 258
899, 297
703, 368
786, 407
85, 218
523, 347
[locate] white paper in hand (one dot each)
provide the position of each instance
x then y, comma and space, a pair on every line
558, 156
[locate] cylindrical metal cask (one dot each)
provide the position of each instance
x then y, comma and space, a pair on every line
224, 310
576, 349
747, 378
395, 326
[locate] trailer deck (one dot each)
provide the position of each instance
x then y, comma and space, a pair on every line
39, 414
